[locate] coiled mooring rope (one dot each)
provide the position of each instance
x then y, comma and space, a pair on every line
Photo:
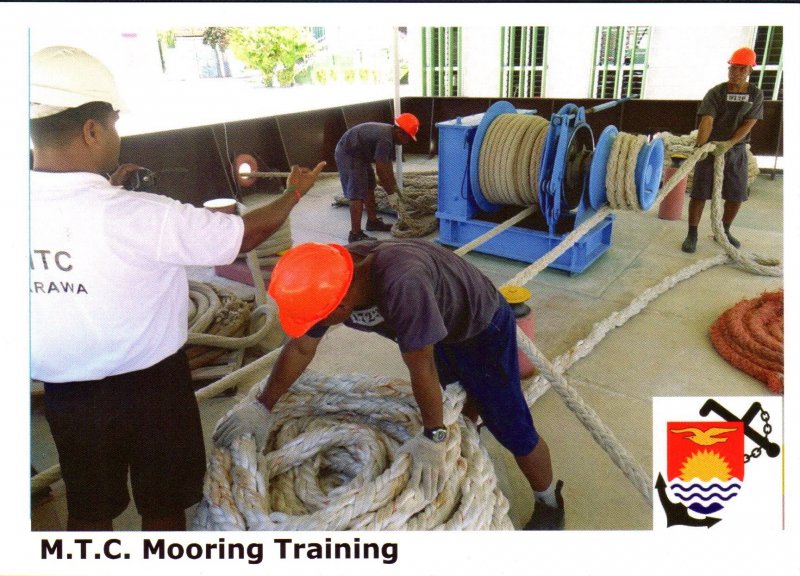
206, 306
510, 157
332, 464
750, 336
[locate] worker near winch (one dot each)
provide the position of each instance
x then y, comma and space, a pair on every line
727, 114
357, 150
450, 323
109, 301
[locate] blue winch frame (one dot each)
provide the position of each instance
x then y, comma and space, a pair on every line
461, 198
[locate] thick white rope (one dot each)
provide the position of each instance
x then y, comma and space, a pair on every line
509, 158
332, 464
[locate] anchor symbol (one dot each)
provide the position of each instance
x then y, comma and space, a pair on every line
771, 448
677, 513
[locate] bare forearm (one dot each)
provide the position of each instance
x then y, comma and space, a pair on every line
425, 385
386, 176
291, 363
704, 130
263, 222
742, 131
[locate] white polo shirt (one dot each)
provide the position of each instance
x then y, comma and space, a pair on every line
108, 288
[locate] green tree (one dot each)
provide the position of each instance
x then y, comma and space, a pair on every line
278, 52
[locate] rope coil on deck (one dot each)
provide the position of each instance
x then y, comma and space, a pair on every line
332, 464
211, 304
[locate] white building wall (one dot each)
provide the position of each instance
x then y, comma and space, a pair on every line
481, 59
685, 62
569, 61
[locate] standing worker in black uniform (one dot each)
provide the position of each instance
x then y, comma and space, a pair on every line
360, 147
109, 301
727, 113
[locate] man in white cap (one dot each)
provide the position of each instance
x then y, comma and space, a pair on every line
109, 301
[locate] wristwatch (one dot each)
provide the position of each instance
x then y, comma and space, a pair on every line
435, 434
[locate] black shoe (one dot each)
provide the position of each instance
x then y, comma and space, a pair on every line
378, 225
690, 244
734, 242
356, 236
548, 517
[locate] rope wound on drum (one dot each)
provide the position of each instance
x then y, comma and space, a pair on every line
521, 159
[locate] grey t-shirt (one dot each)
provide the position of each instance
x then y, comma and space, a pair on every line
425, 293
730, 109
370, 142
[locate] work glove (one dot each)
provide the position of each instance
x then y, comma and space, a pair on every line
393, 199
722, 147
251, 418
427, 464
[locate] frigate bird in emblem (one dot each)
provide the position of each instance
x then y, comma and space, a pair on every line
705, 437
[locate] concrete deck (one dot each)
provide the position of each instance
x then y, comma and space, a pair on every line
663, 351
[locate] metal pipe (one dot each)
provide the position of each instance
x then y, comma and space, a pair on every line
605, 63
279, 174
619, 65
544, 62
511, 61
607, 105
448, 54
440, 61
764, 58
778, 78
503, 60
425, 69
633, 60
523, 60
460, 62
398, 149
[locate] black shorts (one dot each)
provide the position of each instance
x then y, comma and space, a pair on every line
487, 367
147, 421
734, 177
356, 176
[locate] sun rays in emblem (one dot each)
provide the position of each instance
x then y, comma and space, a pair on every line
705, 465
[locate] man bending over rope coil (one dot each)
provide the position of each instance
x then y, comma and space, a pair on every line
450, 323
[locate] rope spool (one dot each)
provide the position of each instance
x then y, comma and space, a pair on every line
507, 167
510, 158
332, 464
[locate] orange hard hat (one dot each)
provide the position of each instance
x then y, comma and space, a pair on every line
743, 57
409, 123
308, 283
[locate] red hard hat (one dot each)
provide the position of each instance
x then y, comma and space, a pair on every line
409, 123
743, 57
308, 283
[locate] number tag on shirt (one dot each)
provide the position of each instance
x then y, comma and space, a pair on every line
738, 97
369, 317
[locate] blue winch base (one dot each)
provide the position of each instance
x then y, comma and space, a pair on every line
461, 219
